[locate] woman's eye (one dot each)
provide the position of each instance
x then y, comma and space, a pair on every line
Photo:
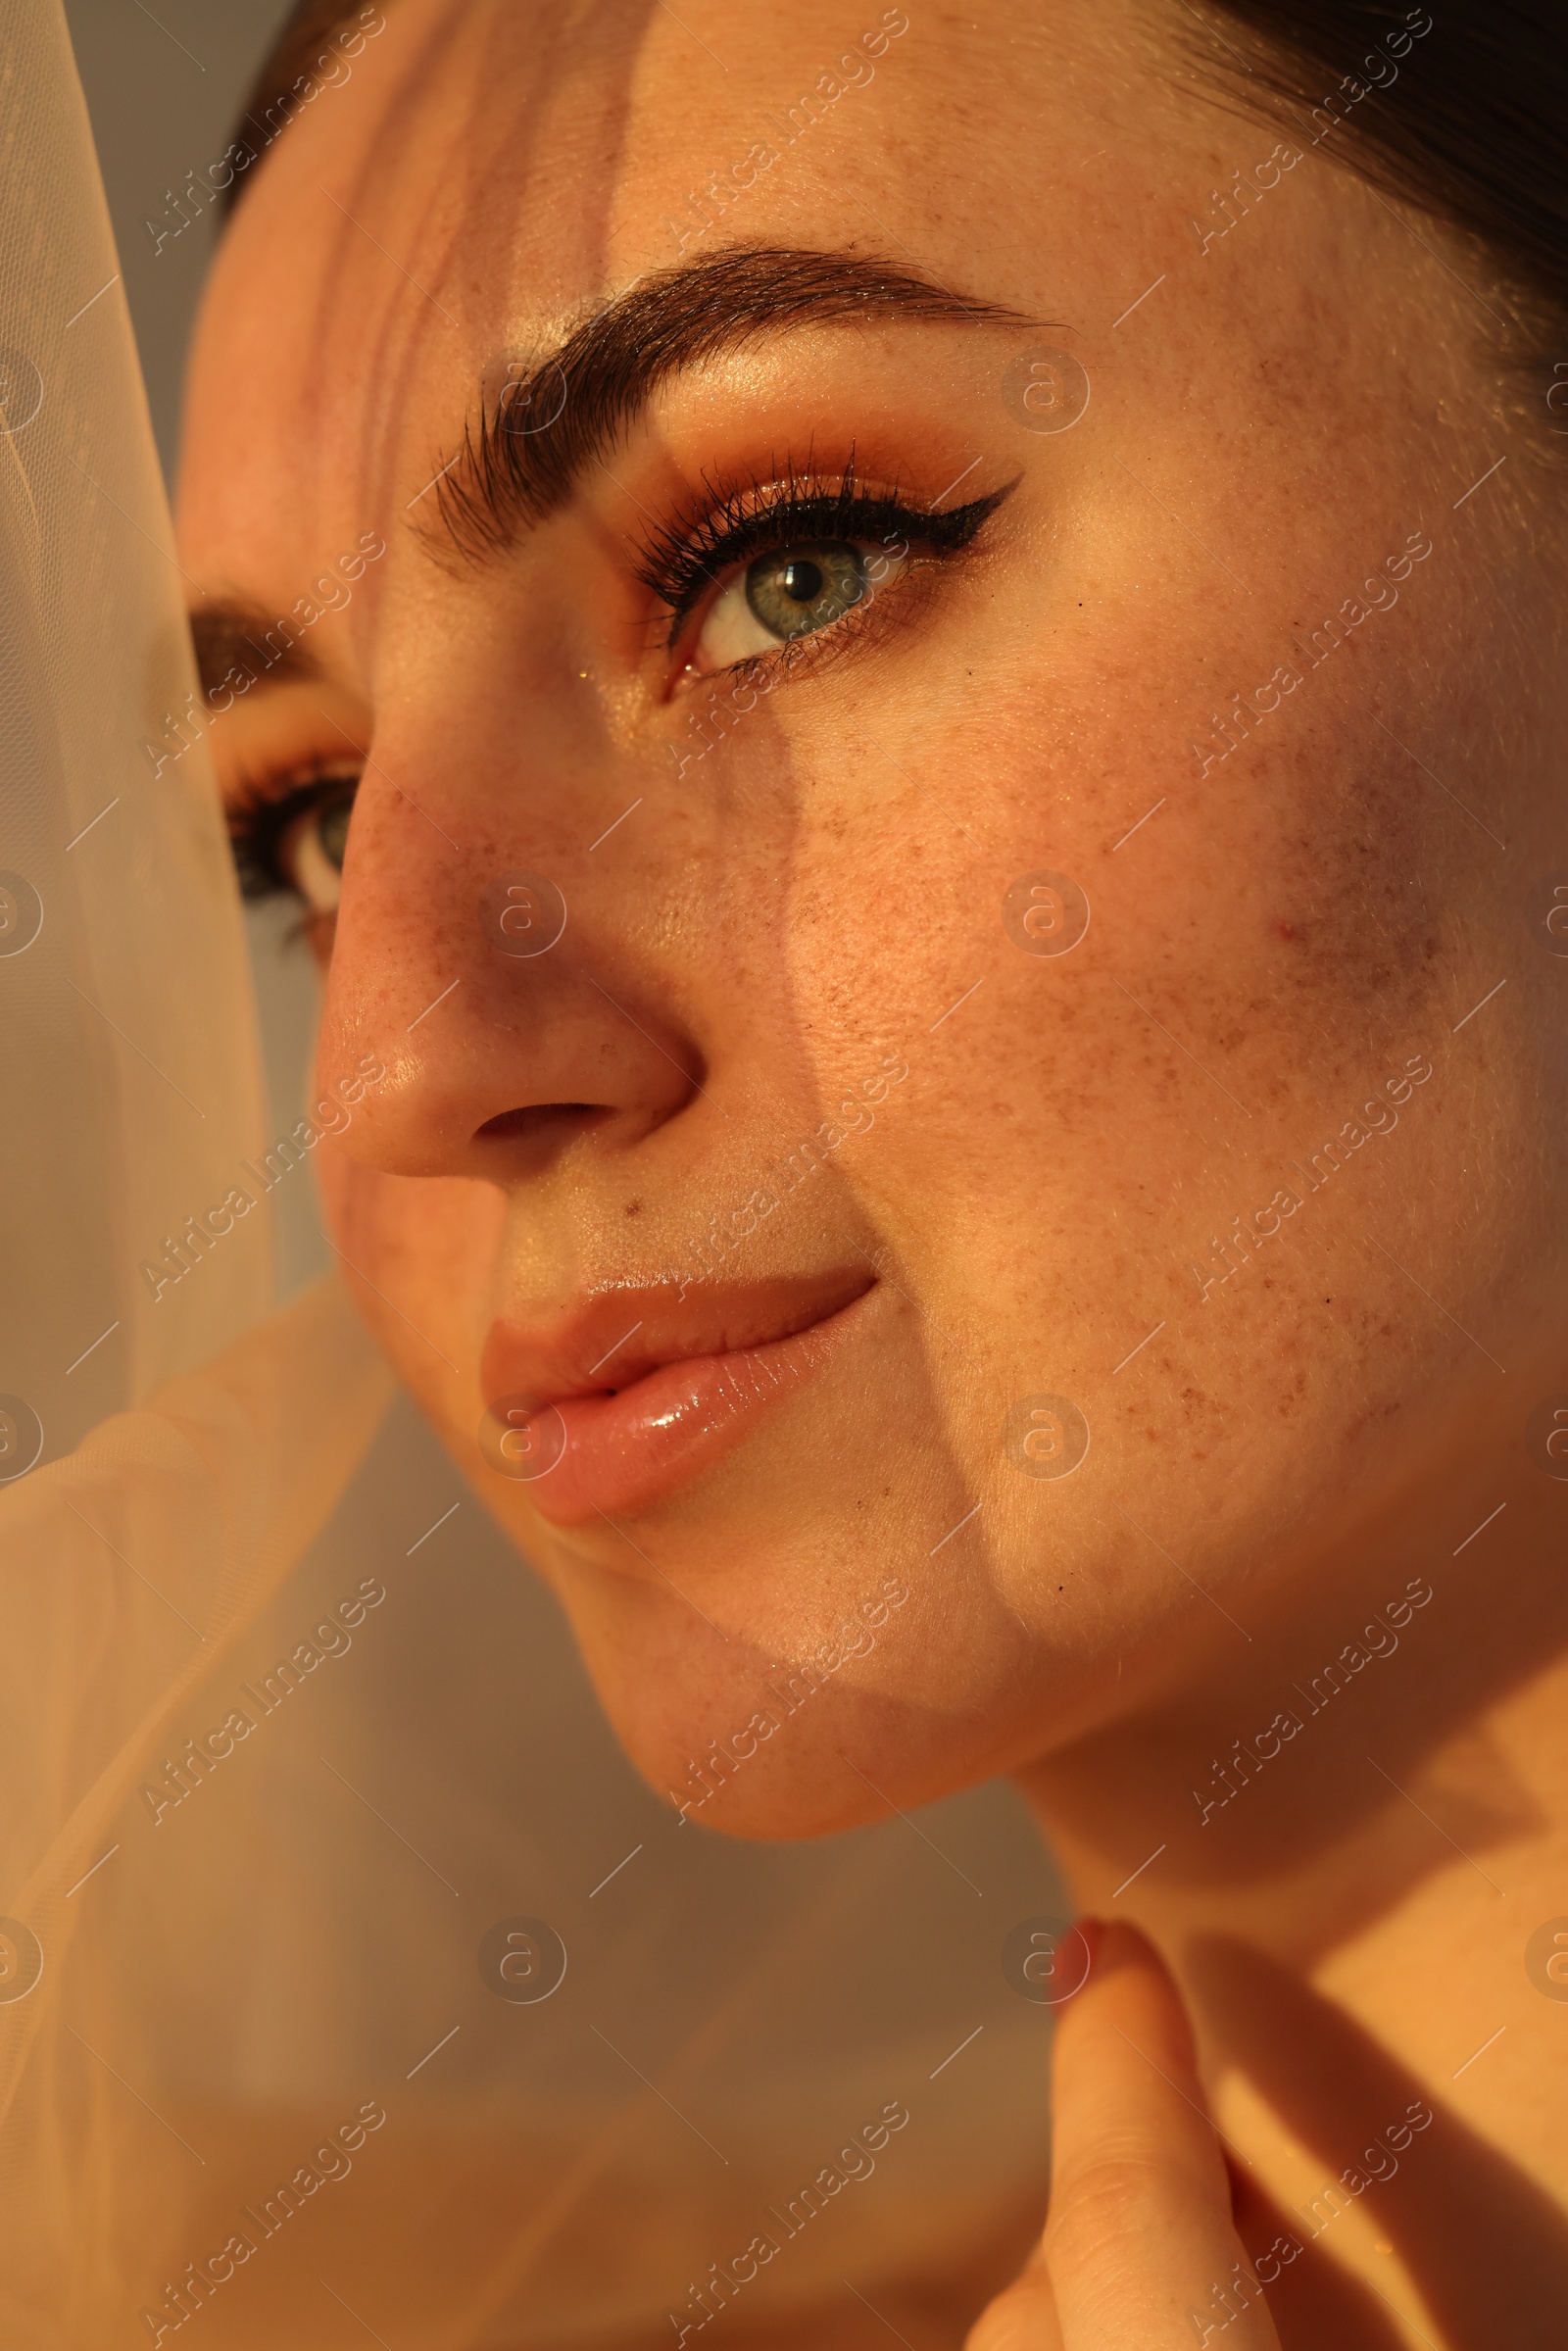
309, 853
790, 592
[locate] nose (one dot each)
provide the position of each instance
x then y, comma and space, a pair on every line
509, 989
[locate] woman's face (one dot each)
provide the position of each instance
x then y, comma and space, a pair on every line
1019, 719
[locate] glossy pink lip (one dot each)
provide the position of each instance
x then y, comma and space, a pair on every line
691, 1380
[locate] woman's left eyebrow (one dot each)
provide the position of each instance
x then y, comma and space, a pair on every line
578, 399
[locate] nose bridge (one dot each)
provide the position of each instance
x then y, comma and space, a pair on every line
508, 982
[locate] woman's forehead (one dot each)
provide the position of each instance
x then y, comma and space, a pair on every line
490, 172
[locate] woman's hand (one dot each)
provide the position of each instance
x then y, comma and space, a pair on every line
1140, 2234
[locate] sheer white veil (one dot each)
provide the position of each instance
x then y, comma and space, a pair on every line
305, 1807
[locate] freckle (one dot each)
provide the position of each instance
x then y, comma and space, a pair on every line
634, 1207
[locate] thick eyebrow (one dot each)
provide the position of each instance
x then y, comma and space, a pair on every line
241, 636
536, 441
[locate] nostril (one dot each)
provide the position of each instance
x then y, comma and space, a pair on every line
538, 1119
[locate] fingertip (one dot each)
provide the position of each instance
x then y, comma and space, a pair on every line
1120, 1950
1117, 1943
1092, 1933
1113, 1944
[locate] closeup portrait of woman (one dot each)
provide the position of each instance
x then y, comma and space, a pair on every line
904, 672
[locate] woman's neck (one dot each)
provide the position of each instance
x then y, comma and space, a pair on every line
1350, 1838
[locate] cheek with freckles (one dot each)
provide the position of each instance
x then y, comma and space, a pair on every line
1266, 953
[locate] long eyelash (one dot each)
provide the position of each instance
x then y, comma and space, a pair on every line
258, 823
681, 559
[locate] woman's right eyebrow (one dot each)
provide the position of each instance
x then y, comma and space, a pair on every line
506, 479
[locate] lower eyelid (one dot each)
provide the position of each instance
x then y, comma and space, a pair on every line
688, 626
794, 652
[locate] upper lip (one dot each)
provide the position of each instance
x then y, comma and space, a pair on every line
596, 1345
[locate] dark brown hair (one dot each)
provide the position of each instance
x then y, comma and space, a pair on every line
1461, 110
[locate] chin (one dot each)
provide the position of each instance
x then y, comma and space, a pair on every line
735, 1737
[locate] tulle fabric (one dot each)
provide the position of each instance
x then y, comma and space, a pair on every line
287, 1735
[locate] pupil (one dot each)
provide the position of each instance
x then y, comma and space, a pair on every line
803, 588
803, 581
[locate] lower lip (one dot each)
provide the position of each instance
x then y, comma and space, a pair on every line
627, 1452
